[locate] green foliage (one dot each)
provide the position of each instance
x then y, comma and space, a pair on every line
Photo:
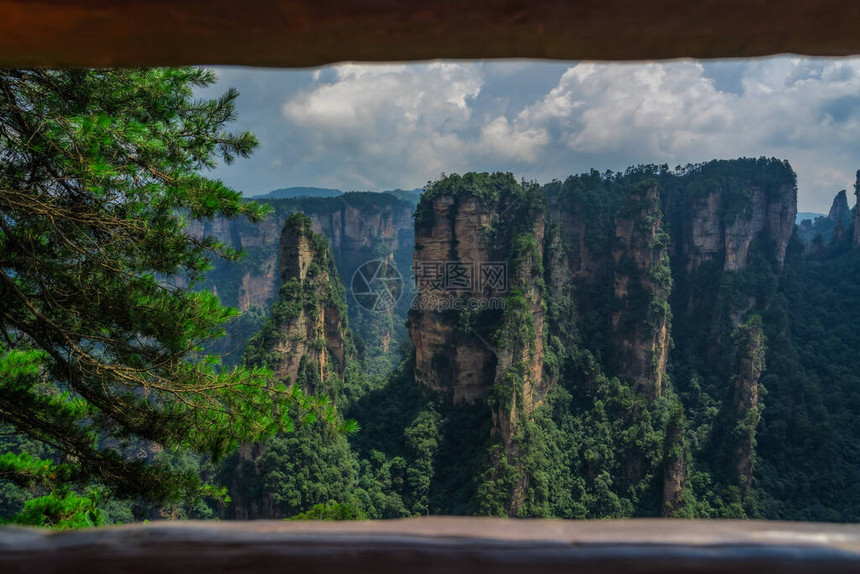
808, 436
101, 330
292, 472
377, 336
604, 449
396, 446
422, 443
487, 188
596, 448
347, 511
25, 470
495, 484
61, 510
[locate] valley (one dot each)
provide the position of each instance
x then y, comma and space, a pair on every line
662, 343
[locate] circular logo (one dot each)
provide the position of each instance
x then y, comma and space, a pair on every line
377, 285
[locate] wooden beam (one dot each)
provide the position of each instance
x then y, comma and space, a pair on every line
438, 544
297, 33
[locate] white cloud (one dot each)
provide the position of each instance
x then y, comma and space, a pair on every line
381, 126
383, 99
500, 138
388, 119
655, 111
807, 111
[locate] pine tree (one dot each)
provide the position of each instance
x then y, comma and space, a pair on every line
101, 331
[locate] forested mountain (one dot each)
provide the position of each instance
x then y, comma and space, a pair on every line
661, 343
359, 226
649, 343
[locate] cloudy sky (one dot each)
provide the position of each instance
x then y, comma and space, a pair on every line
357, 126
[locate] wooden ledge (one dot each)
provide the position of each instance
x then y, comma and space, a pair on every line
438, 544
297, 33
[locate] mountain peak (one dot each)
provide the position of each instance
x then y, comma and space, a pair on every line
839, 211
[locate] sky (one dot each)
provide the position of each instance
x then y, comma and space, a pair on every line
388, 126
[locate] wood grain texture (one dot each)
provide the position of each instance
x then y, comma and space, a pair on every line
438, 544
297, 33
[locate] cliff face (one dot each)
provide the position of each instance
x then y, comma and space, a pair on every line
553, 243
521, 382
600, 267
360, 232
642, 281
464, 272
839, 215
310, 330
478, 322
839, 210
722, 214
253, 280
618, 271
359, 227
588, 260
447, 359
720, 226
305, 342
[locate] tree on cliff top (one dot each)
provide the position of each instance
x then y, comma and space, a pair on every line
100, 332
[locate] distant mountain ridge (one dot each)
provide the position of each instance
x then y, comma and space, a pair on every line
293, 192
410, 195
801, 215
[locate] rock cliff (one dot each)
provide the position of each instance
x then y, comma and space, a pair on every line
359, 227
479, 311
306, 340
450, 359
642, 282
722, 226
839, 215
839, 210
478, 321
599, 268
